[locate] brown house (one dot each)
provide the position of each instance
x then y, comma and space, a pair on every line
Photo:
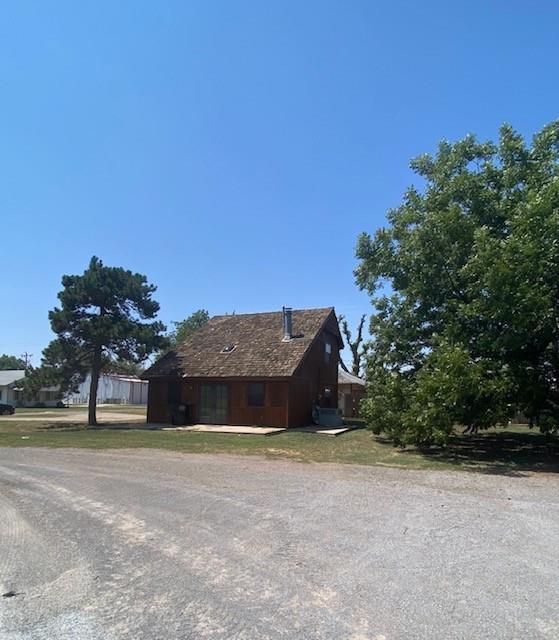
251, 369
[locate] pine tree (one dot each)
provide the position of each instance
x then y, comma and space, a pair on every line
103, 314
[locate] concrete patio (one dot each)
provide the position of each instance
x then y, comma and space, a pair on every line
225, 428
261, 431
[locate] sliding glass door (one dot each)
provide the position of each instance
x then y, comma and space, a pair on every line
214, 404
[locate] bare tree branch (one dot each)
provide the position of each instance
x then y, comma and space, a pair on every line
356, 346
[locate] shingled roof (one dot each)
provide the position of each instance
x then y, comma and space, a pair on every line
259, 350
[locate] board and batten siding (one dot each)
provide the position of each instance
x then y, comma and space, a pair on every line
288, 402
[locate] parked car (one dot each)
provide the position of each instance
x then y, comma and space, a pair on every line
7, 409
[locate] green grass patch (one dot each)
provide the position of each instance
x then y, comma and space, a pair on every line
139, 410
52, 411
511, 451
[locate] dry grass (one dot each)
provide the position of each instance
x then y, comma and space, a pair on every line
514, 450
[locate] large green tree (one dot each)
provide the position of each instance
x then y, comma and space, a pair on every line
8, 362
465, 284
65, 365
187, 327
105, 314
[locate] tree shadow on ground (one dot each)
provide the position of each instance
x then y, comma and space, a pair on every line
63, 426
505, 453
82, 426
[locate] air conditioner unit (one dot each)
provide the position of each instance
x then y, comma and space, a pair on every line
330, 417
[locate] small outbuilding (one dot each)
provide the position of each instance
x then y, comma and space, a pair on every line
267, 369
351, 390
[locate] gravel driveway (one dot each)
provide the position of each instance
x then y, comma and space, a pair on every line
150, 544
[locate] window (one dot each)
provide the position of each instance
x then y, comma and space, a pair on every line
327, 352
228, 348
256, 394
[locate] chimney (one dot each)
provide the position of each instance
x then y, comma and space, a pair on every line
287, 324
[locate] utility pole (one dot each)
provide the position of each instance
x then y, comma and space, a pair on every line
27, 358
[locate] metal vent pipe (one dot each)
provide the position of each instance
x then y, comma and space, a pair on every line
287, 324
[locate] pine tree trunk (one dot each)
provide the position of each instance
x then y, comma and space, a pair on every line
95, 371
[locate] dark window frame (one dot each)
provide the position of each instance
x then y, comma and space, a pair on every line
260, 395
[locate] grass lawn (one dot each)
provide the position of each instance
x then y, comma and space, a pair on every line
139, 410
34, 410
512, 451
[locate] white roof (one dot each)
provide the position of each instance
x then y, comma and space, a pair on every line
347, 378
10, 376
123, 377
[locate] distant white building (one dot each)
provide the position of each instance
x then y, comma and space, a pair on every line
112, 389
8, 385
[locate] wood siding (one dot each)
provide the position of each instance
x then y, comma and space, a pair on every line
313, 377
274, 413
349, 399
288, 401
158, 410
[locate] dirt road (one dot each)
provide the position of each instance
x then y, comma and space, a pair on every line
150, 545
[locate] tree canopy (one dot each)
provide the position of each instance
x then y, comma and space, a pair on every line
187, 327
8, 362
103, 317
64, 364
464, 279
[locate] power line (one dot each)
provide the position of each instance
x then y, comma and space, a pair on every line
26, 357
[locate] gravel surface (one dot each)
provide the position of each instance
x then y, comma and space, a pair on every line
151, 544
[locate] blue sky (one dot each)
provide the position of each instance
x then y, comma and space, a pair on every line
232, 151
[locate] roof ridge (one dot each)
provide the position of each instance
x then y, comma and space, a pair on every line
260, 350
263, 313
